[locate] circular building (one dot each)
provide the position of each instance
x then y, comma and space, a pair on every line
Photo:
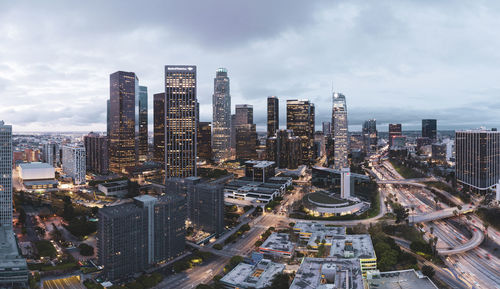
324, 204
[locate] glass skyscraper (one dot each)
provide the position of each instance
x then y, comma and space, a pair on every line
143, 124
300, 119
122, 111
5, 175
429, 129
273, 121
159, 127
339, 131
221, 125
181, 119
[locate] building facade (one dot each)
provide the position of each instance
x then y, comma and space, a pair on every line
96, 148
142, 123
50, 154
246, 142
181, 121
477, 155
395, 130
5, 175
300, 119
273, 115
159, 127
73, 164
370, 134
284, 149
204, 141
339, 131
221, 126
429, 129
123, 108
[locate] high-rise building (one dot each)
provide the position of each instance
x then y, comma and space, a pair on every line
50, 154
300, 119
5, 175
394, 131
429, 129
134, 236
284, 149
273, 115
327, 128
370, 134
477, 155
339, 131
123, 109
96, 149
244, 114
181, 121
159, 127
73, 163
204, 140
142, 123
246, 142
221, 126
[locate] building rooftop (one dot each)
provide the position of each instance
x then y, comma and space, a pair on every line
119, 210
278, 242
260, 164
9, 254
114, 184
352, 246
311, 227
406, 279
35, 165
253, 276
317, 273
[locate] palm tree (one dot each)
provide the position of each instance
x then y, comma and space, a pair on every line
486, 226
436, 200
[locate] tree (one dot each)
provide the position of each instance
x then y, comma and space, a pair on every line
280, 281
428, 271
86, 250
217, 247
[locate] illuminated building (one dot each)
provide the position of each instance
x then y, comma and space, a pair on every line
300, 119
273, 115
221, 126
284, 149
142, 123
394, 131
370, 135
246, 142
327, 128
5, 175
429, 129
123, 108
181, 119
96, 148
244, 114
159, 127
339, 131
50, 154
73, 163
204, 141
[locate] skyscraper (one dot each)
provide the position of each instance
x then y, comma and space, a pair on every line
300, 119
429, 129
370, 134
246, 142
273, 115
221, 125
233, 131
284, 149
244, 114
5, 175
142, 143
96, 148
159, 127
477, 155
327, 128
123, 108
204, 140
339, 131
181, 120
50, 154
73, 163
394, 131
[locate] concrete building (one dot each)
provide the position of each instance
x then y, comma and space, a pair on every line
394, 131
204, 141
339, 131
357, 247
246, 276
306, 230
246, 142
50, 154
429, 129
273, 115
327, 129
221, 117
326, 273
284, 149
37, 176
159, 127
142, 125
5, 175
345, 183
73, 164
249, 192
370, 134
96, 149
477, 155
181, 121
259, 171
114, 189
278, 245
300, 119
404, 279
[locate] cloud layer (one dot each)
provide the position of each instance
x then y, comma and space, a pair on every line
396, 61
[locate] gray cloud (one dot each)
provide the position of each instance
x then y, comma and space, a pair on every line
397, 61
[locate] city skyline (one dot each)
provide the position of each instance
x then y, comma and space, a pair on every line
397, 78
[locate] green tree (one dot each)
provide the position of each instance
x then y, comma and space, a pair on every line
428, 271
86, 250
280, 281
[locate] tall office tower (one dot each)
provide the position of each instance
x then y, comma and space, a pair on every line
108, 117
284, 149
327, 131
5, 175
299, 116
123, 108
429, 129
339, 132
221, 126
394, 131
477, 155
159, 127
181, 119
142, 123
273, 115
50, 154
246, 142
233, 131
96, 149
244, 114
73, 163
134, 236
370, 134
345, 183
205, 140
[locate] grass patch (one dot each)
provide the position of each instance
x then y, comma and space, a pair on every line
322, 197
45, 249
406, 172
490, 216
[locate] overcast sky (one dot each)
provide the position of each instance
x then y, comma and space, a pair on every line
396, 61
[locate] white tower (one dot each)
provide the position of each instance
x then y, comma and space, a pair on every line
345, 183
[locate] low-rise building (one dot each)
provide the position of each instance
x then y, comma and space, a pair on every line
37, 176
251, 191
13, 268
115, 189
325, 273
259, 171
278, 245
245, 276
306, 229
358, 247
404, 279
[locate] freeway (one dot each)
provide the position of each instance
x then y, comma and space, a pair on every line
441, 214
476, 240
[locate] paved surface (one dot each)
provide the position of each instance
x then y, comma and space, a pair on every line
72, 282
441, 214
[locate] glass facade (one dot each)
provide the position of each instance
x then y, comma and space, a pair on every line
273, 121
181, 119
370, 134
5, 175
204, 141
394, 131
221, 126
429, 129
143, 124
339, 132
159, 127
300, 119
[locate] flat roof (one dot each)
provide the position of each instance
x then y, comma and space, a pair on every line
362, 246
278, 242
311, 227
405, 279
9, 254
256, 276
35, 165
339, 274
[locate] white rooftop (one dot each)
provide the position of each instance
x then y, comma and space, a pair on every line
322, 273
253, 276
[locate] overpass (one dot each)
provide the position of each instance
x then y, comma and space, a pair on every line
413, 182
476, 240
441, 214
